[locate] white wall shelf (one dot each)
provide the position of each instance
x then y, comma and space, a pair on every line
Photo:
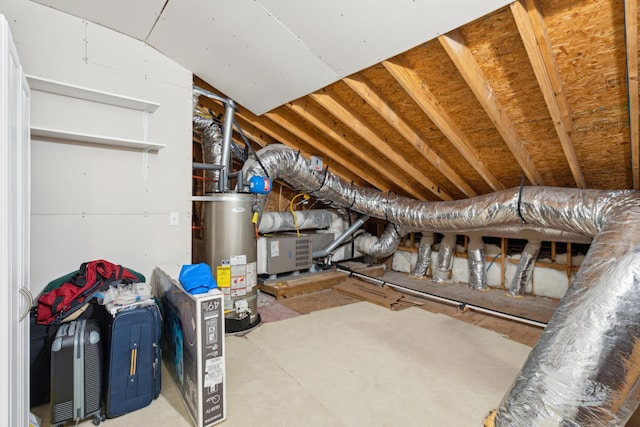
59, 88
94, 139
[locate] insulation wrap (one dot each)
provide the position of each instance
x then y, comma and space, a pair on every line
424, 255
475, 261
444, 261
585, 369
211, 149
524, 272
384, 245
567, 212
283, 221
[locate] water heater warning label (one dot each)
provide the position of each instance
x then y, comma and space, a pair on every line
223, 275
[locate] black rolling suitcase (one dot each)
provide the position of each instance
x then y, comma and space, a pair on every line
76, 373
133, 375
40, 361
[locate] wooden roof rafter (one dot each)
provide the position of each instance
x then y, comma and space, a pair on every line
357, 151
631, 39
362, 87
548, 58
417, 88
287, 124
303, 111
354, 121
544, 70
248, 127
457, 49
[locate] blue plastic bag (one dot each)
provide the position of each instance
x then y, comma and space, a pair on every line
197, 278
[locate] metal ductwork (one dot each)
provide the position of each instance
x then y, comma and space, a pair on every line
384, 245
444, 261
475, 261
327, 251
424, 255
211, 148
524, 272
316, 219
585, 369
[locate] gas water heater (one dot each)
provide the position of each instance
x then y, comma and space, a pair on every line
230, 226
230, 248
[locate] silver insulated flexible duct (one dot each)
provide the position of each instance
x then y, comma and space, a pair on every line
424, 255
211, 148
585, 369
384, 245
524, 272
475, 260
444, 261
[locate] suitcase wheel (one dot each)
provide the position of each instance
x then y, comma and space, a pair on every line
98, 419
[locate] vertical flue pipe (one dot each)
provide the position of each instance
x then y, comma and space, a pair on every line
424, 255
524, 272
444, 262
475, 261
225, 158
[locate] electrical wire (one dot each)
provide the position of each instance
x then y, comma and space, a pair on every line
295, 219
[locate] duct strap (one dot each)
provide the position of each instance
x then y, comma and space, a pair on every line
520, 200
324, 179
354, 196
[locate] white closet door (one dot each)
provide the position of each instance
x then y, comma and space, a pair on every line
15, 298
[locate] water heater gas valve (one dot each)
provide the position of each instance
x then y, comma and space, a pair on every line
242, 308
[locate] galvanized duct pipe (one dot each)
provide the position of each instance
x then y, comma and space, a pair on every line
316, 219
475, 261
322, 253
424, 255
524, 272
585, 369
444, 261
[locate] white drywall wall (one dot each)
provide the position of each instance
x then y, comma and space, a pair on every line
95, 202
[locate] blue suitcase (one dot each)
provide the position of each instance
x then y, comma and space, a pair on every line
133, 377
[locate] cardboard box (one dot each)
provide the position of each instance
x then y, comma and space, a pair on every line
193, 346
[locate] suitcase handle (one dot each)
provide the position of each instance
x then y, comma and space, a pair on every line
134, 361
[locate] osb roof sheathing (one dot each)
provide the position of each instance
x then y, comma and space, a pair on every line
381, 137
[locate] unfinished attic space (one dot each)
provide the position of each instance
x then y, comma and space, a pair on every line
335, 214
500, 158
